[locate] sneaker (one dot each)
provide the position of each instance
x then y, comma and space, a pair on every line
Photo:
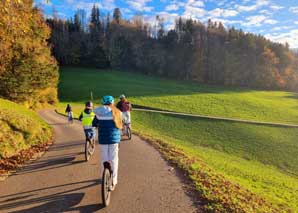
112, 187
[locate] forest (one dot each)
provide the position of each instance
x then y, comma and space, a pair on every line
205, 53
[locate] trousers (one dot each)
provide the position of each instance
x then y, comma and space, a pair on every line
109, 152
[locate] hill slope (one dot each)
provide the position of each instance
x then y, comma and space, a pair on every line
20, 129
270, 106
257, 158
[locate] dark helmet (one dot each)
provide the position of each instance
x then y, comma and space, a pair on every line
89, 105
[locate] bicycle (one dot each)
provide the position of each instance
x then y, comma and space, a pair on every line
89, 147
126, 130
106, 183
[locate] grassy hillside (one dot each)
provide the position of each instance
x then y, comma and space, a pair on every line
258, 158
76, 84
20, 129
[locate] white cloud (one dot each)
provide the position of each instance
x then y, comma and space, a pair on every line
108, 4
267, 12
270, 21
293, 9
104, 4
193, 9
295, 22
258, 20
278, 28
172, 7
194, 12
219, 12
255, 20
249, 8
276, 7
290, 37
140, 5
195, 3
85, 5
221, 3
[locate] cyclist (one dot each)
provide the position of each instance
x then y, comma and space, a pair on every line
125, 107
108, 119
87, 117
68, 110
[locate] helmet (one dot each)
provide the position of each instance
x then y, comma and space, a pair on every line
107, 100
89, 105
122, 96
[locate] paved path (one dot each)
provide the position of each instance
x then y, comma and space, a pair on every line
219, 118
61, 181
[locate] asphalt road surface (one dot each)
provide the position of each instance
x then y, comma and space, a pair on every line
61, 181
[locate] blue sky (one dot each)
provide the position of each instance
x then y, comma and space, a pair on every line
276, 20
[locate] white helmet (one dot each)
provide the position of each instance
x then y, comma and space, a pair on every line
122, 96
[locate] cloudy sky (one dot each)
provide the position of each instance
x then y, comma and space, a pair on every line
275, 19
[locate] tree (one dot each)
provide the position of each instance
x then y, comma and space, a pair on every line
192, 51
28, 73
117, 16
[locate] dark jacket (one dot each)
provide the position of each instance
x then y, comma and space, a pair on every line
108, 133
68, 109
124, 106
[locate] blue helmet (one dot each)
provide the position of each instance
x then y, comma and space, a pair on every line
107, 100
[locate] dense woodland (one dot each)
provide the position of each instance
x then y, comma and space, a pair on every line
28, 72
207, 53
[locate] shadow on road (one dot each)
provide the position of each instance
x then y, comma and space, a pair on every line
54, 162
67, 145
62, 201
49, 164
59, 124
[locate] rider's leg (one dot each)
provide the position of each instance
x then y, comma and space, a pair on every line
129, 119
113, 156
104, 155
125, 117
93, 133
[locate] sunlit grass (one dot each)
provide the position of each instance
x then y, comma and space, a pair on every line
260, 158
20, 129
76, 85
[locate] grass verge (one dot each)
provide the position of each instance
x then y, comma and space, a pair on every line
236, 167
22, 135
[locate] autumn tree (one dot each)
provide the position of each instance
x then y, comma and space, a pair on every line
28, 72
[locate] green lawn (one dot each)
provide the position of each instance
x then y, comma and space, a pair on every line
271, 106
259, 158
20, 129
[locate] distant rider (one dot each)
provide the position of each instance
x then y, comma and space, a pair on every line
108, 119
68, 110
125, 107
87, 117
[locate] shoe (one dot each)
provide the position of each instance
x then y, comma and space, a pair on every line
112, 187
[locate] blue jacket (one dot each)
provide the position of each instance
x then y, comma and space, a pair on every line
108, 133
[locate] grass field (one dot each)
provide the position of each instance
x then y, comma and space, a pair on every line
259, 158
20, 129
272, 106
